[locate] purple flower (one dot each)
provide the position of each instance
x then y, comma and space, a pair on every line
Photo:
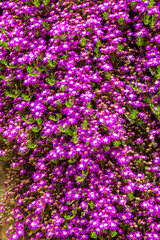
34, 224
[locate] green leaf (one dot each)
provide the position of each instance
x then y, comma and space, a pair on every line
39, 121
50, 108
4, 61
65, 226
69, 104
26, 97
30, 69
133, 4
151, 4
35, 129
89, 105
105, 16
71, 160
31, 145
125, 180
120, 48
84, 124
138, 161
134, 114
36, 3
92, 205
108, 76
113, 234
83, 41
89, 30
10, 94
61, 128
131, 197
94, 149
121, 21
79, 179
107, 148
46, 2
93, 235
52, 64
75, 140
116, 143
65, 56
24, 118
4, 44
68, 217
55, 119
98, 44
63, 88
96, 50
51, 81
139, 41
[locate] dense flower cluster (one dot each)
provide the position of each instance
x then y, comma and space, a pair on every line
79, 118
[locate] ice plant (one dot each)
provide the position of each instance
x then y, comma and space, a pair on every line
79, 118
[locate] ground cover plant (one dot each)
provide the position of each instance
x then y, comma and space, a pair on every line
79, 119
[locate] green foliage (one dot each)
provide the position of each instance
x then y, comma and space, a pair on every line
35, 129
134, 114
27, 18
36, 3
107, 148
52, 64
125, 180
83, 41
65, 56
94, 149
92, 205
89, 105
98, 54
84, 124
113, 234
31, 145
120, 48
105, 16
26, 97
7, 93
133, 4
89, 30
140, 123
54, 118
79, 179
108, 76
45, 25
153, 21
39, 121
71, 160
116, 143
121, 21
146, 19
139, 41
98, 44
4, 61
93, 235
151, 4
4, 44
46, 2
52, 80
130, 196
155, 110
69, 104
67, 131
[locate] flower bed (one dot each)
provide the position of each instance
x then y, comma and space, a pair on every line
79, 118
